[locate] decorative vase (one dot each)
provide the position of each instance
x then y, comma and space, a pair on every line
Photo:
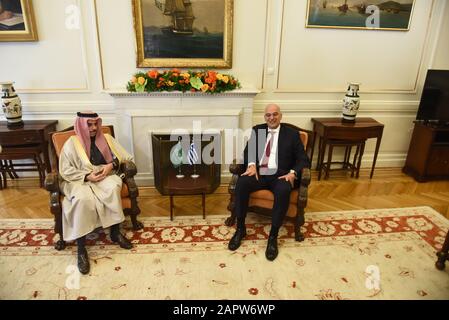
11, 105
351, 102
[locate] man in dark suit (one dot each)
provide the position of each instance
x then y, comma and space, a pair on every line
274, 158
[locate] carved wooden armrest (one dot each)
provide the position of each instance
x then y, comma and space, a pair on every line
305, 177
52, 185
236, 168
128, 168
51, 182
303, 187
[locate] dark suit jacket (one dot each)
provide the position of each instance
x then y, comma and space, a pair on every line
290, 150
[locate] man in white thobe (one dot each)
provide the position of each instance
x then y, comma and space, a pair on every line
87, 165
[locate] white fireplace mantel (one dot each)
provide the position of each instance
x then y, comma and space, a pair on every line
140, 114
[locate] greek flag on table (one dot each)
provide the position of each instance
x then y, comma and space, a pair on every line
192, 156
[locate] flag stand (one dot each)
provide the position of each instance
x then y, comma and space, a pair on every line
179, 175
192, 158
194, 175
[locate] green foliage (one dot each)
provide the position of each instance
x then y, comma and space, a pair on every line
174, 80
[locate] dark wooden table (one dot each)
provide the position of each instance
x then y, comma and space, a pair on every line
188, 186
34, 134
336, 129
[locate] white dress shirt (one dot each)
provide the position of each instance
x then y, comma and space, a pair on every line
272, 164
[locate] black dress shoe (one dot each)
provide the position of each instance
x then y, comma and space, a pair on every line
122, 241
236, 239
272, 248
83, 262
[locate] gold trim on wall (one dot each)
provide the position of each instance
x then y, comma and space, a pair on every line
225, 62
30, 32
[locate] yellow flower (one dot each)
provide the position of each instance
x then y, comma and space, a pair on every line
219, 76
141, 80
204, 87
170, 83
225, 79
185, 75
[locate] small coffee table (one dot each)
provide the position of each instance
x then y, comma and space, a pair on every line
187, 186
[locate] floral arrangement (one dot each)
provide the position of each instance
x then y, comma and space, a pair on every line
174, 80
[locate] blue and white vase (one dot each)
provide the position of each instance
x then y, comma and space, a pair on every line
11, 105
351, 102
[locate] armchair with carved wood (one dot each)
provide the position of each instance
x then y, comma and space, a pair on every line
443, 254
129, 192
261, 201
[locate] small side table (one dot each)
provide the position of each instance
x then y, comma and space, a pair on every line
331, 129
27, 142
187, 186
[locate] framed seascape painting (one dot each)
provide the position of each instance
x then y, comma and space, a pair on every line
183, 33
17, 21
360, 14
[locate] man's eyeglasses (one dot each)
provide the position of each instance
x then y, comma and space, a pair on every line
274, 115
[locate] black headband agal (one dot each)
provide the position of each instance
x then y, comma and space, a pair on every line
87, 115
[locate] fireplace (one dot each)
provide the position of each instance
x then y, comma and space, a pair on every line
140, 115
174, 175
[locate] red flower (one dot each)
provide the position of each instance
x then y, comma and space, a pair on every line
153, 74
212, 74
211, 77
175, 70
253, 291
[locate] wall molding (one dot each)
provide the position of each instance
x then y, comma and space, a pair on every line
83, 46
311, 106
427, 49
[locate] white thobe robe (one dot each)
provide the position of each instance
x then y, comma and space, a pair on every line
88, 205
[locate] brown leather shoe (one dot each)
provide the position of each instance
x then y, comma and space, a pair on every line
236, 239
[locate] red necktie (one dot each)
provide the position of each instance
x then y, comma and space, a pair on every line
266, 156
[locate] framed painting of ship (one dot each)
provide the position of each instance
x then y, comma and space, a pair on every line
360, 14
183, 33
17, 21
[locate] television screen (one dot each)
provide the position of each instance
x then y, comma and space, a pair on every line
434, 105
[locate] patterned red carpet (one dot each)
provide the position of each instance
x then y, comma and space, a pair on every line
370, 254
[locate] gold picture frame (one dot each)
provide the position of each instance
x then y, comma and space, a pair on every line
353, 14
18, 22
179, 33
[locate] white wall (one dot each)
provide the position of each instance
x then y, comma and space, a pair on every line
304, 70
441, 57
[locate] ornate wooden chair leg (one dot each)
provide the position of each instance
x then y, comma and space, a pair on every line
443, 254
60, 244
299, 221
137, 225
230, 221
132, 213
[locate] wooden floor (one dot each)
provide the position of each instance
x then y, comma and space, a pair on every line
389, 188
